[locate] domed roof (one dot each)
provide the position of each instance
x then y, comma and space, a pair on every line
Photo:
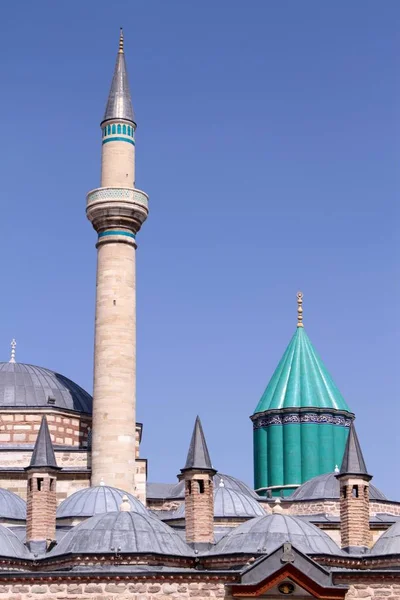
301, 380
10, 545
265, 534
229, 503
126, 531
389, 542
229, 482
29, 386
327, 487
96, 500
12, 506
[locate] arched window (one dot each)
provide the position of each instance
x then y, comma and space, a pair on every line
108, 129
114, 128
124, 129
119, 128
129, 130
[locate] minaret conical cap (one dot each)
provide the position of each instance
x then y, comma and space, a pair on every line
119, 103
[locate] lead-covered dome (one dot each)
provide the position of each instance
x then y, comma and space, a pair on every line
96, 500
389, 542
131, 532
24, 385
12, 507
178, 491
263, 535
10, 545
327, 487
229, 503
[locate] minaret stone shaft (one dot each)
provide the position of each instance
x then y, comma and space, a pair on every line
116, 210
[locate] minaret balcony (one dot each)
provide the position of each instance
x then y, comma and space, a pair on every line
109, 207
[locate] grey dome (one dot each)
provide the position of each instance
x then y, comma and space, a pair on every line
327, 487
229, 482
29, 386
10, 545
229, 503
262, 535
12, 506
126, 531
96, 500
389, 542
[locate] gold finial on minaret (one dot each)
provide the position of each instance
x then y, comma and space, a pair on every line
300, 309
121, 41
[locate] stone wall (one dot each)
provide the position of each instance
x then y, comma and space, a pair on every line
375, 591
65, 429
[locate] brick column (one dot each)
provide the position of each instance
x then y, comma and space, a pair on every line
354, 513
41, 506
199, 506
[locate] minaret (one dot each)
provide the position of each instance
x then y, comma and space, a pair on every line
198, 474
116, 210
41, 493
354, 497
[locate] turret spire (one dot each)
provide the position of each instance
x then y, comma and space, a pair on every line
119, 103
43, 452
353, 460
198, 456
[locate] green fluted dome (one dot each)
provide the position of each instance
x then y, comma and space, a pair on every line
301, 380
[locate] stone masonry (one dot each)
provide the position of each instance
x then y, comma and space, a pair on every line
41, 506
354, 512
199, 507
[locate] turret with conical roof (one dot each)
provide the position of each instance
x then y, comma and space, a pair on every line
117, 211
301, 421
198, 474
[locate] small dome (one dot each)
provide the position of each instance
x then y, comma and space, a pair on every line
229, 482
389, 542
96, 500
123, 531
263, 535
12, 506
28, 386
229, 503
327, 487
10, 545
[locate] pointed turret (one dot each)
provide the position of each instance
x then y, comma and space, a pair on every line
43, 452
198, 474
41, 493
353, 460
354, 497
198, 456
301, 421
119, 103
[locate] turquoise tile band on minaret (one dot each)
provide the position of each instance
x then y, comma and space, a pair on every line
117, 232
118, 139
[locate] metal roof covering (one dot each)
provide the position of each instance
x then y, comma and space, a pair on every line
198, 456
119, 103
96, 500
389, 542
229, 503
265, 534
122, 532
327, 487
353, 460
12, 506
11, 545
166, 491
43, 451
301, 380
26, 386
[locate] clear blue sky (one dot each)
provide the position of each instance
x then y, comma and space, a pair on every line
268, 141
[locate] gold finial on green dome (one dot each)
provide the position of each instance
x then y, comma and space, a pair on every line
121, 41
300, 309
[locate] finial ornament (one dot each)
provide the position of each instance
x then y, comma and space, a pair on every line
300, 309
121, 41
125, 505
13, 346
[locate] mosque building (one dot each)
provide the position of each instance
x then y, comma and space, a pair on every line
78, 518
